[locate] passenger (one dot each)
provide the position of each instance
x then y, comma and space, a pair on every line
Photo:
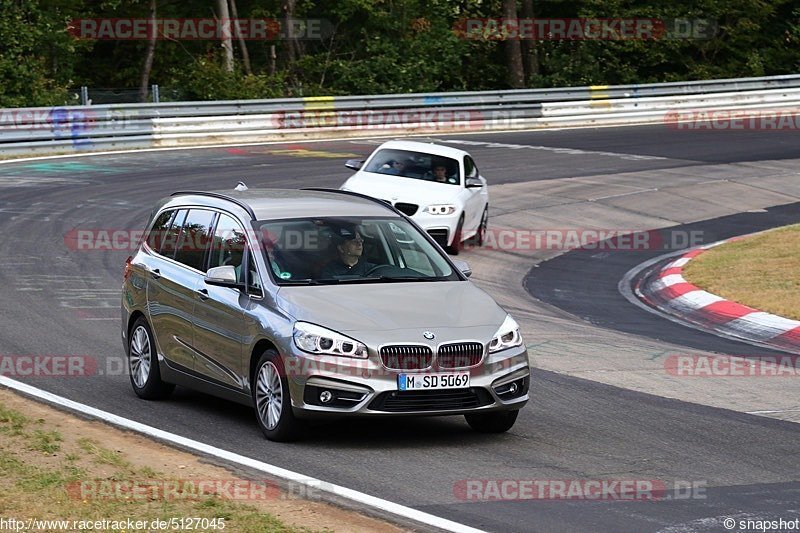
350, 261
396, 167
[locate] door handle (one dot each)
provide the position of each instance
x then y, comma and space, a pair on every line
203, 294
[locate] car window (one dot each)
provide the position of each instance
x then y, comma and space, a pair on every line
169, 239
228, 245
155, 237
415, 165
194, 238
412, 255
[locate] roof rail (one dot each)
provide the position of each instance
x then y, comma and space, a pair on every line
358, 195
222, 197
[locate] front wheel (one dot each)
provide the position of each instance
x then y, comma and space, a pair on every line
143, 364
272, 400
495, 422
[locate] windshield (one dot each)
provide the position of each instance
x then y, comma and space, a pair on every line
312, 251
416, 165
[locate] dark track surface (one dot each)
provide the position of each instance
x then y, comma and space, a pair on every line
573, 429
585, 284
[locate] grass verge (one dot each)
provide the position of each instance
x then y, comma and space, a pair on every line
762, 271
55, 466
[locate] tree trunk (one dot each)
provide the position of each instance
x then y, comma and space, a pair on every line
291, 48
271, 59
530, 53
227, 41
242, 44
149, 54
516, 76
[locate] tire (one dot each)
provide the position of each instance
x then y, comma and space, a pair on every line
496, 422
143, 363
454, 248
480, 236
272, 400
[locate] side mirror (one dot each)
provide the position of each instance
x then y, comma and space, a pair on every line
463, 266
354, 164
222, 276
474, 183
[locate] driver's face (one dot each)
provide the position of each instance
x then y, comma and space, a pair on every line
440, 173
354, 246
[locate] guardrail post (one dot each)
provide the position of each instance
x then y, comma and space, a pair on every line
84, 95
156, 97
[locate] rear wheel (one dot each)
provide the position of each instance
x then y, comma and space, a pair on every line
495, 422
143, 363
272, 400
455, 247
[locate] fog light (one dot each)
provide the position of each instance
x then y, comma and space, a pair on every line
325, 396
512, 389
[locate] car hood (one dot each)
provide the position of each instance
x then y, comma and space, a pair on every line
399, 189
388, 312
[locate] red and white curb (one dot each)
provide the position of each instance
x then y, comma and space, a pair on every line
668, 291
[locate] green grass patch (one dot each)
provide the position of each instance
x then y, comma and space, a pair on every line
762, 271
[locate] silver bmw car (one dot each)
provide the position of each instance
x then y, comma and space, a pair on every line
313, 303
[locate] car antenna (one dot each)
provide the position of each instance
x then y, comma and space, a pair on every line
240, 186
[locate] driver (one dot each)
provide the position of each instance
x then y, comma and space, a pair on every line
350, 262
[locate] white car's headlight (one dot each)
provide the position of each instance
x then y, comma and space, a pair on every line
316, 339
506, 337
440, 209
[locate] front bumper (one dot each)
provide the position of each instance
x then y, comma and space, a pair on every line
441, 227
364, 387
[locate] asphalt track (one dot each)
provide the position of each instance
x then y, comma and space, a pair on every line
57, 300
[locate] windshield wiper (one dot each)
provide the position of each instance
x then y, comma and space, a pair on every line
412, 278
307, 281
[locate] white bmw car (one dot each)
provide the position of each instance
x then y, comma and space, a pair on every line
437, 186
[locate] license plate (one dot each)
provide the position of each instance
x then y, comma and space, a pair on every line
455, 380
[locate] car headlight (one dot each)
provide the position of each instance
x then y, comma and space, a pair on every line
440, 209
506, 337
316, 339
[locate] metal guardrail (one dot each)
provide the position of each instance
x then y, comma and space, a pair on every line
103, 127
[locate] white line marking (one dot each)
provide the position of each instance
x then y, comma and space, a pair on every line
183, 442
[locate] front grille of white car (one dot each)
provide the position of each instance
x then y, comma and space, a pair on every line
406, 209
